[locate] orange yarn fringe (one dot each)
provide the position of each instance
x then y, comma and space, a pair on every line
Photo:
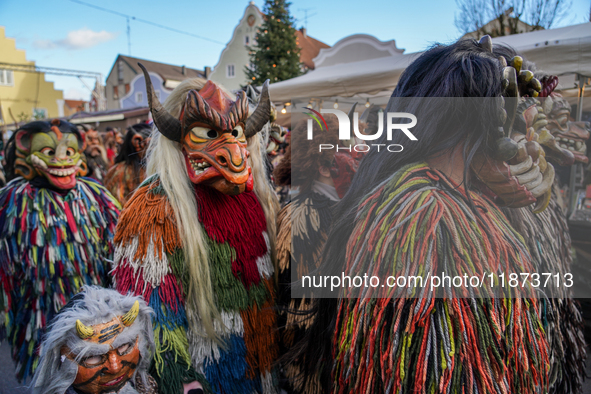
149, 217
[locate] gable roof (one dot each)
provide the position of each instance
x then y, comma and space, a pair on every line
495, 27
166, 71
74, 104
309, 47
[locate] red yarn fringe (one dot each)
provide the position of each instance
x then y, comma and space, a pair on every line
238, 220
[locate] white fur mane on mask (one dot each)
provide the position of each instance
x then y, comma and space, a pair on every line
93, 305
164, 158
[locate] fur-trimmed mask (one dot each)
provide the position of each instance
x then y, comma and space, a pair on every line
100, 342
52, 150
213, 130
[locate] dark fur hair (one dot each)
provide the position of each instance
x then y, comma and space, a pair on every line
509, 53
282, 173
460, 70
127, 151
306, 155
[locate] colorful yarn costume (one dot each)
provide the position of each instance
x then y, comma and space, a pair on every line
406, 218
232, 217
449, 345
547, 235
56, 234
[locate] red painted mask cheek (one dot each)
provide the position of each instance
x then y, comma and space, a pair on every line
250, 182
219, 162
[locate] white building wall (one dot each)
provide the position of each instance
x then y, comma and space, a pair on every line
236, 52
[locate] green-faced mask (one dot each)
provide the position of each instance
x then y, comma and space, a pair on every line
52, 150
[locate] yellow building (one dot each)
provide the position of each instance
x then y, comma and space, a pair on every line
27, 95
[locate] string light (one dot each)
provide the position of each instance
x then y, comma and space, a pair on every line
336, 104
367, 104
284, 111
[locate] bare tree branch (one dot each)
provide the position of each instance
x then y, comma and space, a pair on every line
504, 17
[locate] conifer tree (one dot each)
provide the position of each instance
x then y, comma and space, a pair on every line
276, 55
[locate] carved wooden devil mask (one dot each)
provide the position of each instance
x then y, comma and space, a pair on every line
212, 130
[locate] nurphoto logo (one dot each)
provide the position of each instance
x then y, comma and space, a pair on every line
345, 129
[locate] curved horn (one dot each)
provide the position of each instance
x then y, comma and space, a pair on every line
350, 116
84, 332
167, 124
131, 315
261, 114
486, 43
351, 111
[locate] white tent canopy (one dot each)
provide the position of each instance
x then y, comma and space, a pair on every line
562, 51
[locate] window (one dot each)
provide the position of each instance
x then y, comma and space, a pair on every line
39, 113
139, 97
6, 78
115, 92
120, 71
230, 71
246, 40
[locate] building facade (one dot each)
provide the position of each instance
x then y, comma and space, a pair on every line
73, 106
126, 87
27, 96
229, 72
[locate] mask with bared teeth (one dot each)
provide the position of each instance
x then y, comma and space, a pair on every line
51, 150
569, 135
213, 130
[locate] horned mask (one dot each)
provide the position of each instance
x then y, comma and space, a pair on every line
101, 342
213, 130
51, 150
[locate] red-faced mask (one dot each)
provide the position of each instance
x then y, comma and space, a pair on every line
107, 372
212, 130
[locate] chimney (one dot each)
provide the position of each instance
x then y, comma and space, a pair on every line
303, 30
184, 70
207, 72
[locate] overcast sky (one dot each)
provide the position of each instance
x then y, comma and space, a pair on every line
66, 34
